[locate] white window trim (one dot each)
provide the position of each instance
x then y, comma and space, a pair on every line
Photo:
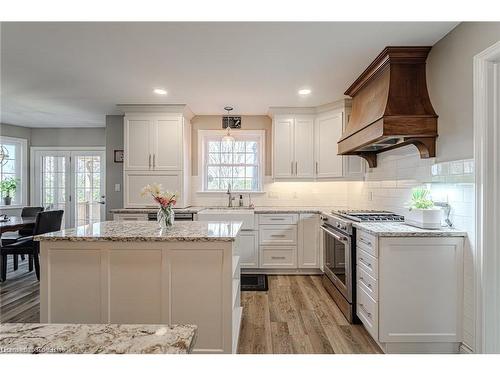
487, 159
203, 134
24, 171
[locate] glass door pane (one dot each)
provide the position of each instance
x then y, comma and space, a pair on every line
89, 188
54, 180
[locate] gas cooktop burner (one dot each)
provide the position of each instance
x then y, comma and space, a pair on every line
369, 215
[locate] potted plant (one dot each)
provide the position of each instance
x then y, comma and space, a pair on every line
422, 212
8, 188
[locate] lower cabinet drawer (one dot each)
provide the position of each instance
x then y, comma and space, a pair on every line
278, 234
367, 312
278, 256
367, 282
367, 262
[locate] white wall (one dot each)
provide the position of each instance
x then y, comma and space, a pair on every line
389, 187
449, 80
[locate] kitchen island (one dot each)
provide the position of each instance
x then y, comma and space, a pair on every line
137, 273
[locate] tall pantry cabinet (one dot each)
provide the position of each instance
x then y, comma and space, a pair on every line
157, 149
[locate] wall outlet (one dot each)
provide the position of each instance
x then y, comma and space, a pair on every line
117, 187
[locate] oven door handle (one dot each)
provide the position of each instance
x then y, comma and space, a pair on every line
334, 235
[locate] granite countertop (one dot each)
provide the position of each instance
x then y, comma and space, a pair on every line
34, 338
257, 210
148, 210
201, 231
392, 229
292, 210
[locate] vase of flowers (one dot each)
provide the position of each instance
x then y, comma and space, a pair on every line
165, 200
421, 212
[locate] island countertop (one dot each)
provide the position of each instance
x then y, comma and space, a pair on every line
26, 338
191, 231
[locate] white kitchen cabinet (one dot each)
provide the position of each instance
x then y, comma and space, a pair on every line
283, 143
293, 145
134, 181
157, 149
308, 241
248, 249
167, 141
137, 153
409, 292
305, 144
153, 142
304, 147
328, 129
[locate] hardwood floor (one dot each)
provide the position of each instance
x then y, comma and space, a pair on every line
19, 295
296, 315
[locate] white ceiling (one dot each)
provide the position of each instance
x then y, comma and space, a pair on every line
73, 74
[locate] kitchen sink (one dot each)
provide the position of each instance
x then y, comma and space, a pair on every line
245, 215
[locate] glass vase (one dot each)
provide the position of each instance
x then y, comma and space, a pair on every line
166, 217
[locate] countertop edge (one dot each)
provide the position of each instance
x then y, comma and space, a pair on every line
419, 233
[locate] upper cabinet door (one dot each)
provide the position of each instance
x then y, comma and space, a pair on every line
304, 148
283, 166
166, 138
328, 132
138, 155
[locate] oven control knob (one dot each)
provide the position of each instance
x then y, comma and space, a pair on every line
338, 225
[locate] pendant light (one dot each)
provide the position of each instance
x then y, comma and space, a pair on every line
228, 138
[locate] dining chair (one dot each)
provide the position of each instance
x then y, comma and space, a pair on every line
11, 237
46, 222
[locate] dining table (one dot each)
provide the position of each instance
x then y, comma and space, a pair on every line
13, 224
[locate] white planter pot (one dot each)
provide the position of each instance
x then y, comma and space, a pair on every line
426, 219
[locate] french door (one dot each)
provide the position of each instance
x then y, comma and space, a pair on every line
70, 180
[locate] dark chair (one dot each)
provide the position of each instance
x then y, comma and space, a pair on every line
11, 237
48, 221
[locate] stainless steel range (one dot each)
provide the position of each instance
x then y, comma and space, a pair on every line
339, 245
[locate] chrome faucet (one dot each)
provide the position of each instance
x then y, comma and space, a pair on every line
230, 196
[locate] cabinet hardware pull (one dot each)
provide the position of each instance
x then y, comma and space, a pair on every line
291, 165
317, 168
366, 311
277, 257
154, 158
277, 218
278, 235
296, 168
365, 262
149, 161
363, 280
365, 242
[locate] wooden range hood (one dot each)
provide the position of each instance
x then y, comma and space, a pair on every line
391, 107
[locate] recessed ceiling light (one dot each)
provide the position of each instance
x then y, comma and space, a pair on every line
160, 91
304, 91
